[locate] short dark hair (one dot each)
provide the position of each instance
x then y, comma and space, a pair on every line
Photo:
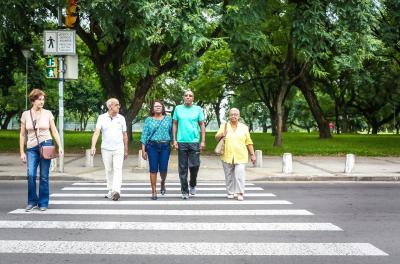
35, 94
151, 113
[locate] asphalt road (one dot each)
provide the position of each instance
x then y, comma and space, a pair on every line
281, 223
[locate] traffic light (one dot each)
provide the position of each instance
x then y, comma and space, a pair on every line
71, 14
51, 67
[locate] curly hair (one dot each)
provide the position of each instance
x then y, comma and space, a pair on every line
151, 113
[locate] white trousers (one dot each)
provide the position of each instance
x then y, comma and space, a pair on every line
113, 161
234, 177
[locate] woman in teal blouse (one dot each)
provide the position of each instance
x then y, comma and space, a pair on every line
156, 137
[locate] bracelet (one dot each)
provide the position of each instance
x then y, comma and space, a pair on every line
252, 154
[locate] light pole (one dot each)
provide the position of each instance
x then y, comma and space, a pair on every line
27, 54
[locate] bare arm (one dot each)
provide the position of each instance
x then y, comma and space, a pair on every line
252, 154
56, 136
94, 141
203, 135
174, 130
22, 142
125, 138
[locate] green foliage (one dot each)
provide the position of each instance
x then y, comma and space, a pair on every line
295, 143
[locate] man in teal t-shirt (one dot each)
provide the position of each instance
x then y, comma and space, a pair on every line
188, 122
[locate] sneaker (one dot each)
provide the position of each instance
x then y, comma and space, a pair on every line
115, 196
42, 209
185, 196
230, 196
30, 207
235, 195
108, 195
192, 190
240, 197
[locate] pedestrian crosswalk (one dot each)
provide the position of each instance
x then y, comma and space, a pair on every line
82, 206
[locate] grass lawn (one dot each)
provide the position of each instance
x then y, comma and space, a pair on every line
295, 143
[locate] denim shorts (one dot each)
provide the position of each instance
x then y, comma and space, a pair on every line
158, 156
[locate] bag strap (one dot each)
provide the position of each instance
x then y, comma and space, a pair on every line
226, 129
155, 130
34, 127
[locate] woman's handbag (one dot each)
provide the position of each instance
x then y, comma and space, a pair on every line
46, 152
219, 149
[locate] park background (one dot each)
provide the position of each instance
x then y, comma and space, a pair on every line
309, 77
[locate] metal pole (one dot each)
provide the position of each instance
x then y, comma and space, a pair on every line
26, 83
60, 94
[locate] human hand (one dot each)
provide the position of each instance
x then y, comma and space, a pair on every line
202, 146
93, 151
144, 155
23, 157
175, 144
253, 158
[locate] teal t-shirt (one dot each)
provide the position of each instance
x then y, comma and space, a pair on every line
188, 123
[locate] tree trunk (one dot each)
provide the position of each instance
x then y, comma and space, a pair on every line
137, 102
273, 121
345, 123
285, 118
375, 129
280, 113
315, 108
7, 120
81, 122
337, 124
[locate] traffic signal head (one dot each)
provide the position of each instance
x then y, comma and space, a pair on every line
51, 67
71, 14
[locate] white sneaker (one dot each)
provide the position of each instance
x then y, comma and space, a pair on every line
240, 197
235, 195
108, 195
230, 196
192, 190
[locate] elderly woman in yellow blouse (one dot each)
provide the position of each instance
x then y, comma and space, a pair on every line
237, 146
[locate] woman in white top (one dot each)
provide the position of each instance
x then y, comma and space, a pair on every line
43, 121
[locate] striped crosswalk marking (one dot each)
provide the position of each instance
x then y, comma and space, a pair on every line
167, 202
149, 189
148, 183
209, 190
177, 226
186, 248
147, 195
165, 212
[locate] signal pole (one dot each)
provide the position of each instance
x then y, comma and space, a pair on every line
61, 94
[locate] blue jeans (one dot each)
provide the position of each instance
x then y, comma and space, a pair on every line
33, 161
158, 155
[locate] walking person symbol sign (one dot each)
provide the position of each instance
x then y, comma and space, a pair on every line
51, 44
59, 42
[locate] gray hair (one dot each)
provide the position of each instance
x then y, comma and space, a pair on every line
234, 109
110, 101
186, 91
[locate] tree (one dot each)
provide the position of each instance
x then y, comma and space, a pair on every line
150, 39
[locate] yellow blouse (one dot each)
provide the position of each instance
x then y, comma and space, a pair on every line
236, 142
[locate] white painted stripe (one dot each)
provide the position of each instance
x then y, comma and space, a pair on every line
166, 202
186, 248
147, 183
149, 189
164, 212
176, 226
146, 195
